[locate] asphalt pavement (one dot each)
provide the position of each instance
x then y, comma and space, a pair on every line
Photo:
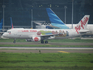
45, 50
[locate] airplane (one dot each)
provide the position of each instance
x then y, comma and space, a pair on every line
44, 34
57, 23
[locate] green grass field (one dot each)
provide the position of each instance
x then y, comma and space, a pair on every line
44, 45
53, 40
46, 61
78, 40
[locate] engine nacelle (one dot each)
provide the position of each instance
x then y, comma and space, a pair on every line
36, 39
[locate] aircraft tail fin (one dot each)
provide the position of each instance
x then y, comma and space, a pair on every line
82, 25
1, 23
54, 19
11, 22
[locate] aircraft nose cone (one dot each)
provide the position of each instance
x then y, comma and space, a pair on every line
4, 36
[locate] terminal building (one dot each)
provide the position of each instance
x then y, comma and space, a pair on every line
23, 12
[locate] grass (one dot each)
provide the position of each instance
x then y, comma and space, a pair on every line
43, 45
53, 40
72, 40
11, 40
46, 61
78, 40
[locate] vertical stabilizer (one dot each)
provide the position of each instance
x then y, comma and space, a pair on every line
82, 24
55, 20
1, 24
11, 22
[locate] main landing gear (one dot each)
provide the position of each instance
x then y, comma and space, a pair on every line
42, 41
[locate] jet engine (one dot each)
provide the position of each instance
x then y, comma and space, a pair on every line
36, 39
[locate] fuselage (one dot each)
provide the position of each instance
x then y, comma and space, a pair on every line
29, 33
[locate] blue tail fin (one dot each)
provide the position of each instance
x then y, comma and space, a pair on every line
55, 20
11, 22
1, 23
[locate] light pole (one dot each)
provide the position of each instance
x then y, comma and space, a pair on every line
65, 13
72, 13
3, 6
31, 18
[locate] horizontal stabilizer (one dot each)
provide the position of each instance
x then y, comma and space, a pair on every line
83, 31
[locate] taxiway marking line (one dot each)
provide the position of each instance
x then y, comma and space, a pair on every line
44, 48
63, 51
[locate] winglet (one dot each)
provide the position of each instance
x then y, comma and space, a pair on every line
11, 22
55, 20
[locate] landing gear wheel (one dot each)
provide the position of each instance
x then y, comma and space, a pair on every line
42, 41
46, 42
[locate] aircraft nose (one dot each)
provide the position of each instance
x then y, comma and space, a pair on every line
2, 36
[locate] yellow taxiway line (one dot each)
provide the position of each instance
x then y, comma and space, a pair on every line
63, 51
